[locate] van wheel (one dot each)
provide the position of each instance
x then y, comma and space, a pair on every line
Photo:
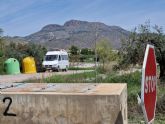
58, 69
66, 69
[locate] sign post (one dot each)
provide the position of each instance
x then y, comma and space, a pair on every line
148, 86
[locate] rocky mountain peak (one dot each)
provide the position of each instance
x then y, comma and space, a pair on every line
75, 23
51, 27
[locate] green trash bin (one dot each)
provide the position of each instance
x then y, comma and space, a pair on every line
12, 66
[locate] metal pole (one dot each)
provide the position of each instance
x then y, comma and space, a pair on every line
95, 55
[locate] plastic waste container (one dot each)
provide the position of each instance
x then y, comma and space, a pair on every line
11, 66
28, 65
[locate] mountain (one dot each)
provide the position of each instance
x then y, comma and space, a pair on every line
78, 33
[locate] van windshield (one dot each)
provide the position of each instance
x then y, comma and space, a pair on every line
51, 57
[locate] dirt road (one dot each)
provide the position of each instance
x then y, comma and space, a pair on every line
23, 77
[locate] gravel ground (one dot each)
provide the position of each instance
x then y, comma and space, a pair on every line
23, 77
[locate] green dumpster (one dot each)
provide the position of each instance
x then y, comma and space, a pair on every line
11, 66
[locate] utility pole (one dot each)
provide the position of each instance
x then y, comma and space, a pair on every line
96, 54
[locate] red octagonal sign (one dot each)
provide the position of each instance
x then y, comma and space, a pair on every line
149, 82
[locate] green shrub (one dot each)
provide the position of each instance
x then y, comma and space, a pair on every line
2, 60
21, 50
1, 53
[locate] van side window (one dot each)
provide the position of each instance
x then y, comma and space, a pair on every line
59, 59
63, 57
66, 57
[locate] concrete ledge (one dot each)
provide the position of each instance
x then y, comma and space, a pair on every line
63, 103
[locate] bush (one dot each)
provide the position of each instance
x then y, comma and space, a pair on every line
22, 50
1, 53
161, 105
2, 59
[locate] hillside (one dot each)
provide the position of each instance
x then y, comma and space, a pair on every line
79, 33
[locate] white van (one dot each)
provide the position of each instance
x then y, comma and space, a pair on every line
56, 60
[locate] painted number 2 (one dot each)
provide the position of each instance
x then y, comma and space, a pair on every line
6, 113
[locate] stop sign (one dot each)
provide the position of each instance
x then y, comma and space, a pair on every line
149, 82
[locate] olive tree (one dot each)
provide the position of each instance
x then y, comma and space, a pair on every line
104, 52
132, 50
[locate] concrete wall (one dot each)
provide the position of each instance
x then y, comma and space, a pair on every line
101, 104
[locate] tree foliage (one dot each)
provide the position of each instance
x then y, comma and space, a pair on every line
22, 50
1, 52
132, 50
1, 31
74, 54
74, 50
87, 55
86, 51
104, 52
19, 50
1, 43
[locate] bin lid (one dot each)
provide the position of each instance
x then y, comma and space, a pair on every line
11, 60
28, 59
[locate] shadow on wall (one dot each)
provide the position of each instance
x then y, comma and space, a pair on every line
119, 119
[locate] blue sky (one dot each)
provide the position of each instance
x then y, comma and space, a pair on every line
23, 17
